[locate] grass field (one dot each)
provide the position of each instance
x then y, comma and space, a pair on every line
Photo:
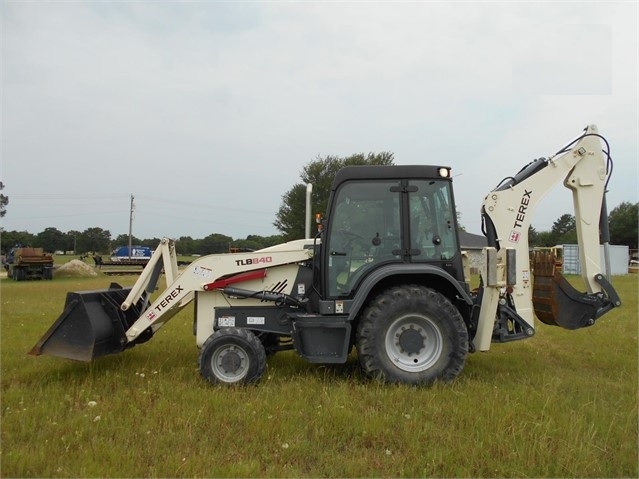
562, 404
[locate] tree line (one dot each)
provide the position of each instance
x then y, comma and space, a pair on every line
100, 241
290, 220
623, 223
623, 230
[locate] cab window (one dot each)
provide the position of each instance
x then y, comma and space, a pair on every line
365, 231
432, 225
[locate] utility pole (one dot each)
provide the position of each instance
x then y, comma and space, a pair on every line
131, 225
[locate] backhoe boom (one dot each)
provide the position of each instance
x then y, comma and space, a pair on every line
507, 212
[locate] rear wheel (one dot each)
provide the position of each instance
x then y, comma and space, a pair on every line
412, 334
232, 356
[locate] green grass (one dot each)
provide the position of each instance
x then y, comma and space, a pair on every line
562, 404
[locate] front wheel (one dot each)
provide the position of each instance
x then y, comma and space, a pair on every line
412, 334
232, 356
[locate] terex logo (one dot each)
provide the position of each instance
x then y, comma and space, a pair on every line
523, 207
168, 298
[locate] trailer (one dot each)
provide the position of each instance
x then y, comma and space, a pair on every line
138, 255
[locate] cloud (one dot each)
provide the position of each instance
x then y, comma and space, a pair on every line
214, 108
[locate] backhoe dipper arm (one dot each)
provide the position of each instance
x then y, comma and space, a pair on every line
507, 213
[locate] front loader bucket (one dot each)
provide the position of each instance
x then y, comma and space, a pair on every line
91, 325
556, 302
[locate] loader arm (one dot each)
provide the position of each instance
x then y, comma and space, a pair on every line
506, 214
165, 257
97, 323
198, 276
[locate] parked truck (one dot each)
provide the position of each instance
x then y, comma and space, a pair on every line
23, 262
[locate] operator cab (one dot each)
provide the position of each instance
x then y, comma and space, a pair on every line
384, 215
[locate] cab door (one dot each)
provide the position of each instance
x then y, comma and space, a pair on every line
364, 232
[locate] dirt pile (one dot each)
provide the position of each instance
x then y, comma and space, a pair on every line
75, 267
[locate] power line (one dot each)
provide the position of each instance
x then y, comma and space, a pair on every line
62, 196
90, 213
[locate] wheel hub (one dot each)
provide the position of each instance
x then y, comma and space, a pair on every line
230, 362
414, 342
410, 340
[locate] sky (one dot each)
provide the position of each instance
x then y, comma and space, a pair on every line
207, 112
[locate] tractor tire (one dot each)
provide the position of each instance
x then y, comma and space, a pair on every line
412, 334
232, 356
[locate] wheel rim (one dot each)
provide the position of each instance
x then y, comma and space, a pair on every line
414, 343
230, 363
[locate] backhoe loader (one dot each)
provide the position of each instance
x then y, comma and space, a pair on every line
384, 275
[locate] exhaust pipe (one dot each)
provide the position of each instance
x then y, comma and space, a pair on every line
307, 222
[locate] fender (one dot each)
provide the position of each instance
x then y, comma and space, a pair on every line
415, 269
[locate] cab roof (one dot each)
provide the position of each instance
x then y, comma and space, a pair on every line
381, 172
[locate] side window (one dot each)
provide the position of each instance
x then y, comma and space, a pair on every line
432, 221
364, 231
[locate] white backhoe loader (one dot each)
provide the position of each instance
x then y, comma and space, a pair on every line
385, 275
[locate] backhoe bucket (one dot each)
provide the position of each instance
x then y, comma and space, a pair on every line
91, 325
557, 302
